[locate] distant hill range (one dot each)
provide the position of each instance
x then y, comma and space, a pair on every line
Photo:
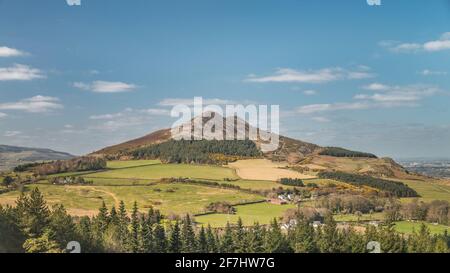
298, 154
12, 156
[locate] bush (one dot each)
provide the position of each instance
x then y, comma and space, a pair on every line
292, 182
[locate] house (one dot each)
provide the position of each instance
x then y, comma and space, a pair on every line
276, 201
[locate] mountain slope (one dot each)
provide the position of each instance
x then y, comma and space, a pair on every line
12, 156
298, 154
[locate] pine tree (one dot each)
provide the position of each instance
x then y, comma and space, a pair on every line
175, 240
36, 214
202, 243
240, 238
303, 236
211, 240
134, 230
256, 239
421, 242
227, 244
390, 240
114, 218
62, 226
329, 239
275, 240
188, 236
102, 220
123, 232
146, 237
160, 240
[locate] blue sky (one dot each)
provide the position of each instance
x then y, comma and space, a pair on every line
78, 78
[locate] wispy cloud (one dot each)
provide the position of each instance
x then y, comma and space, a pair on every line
36, 104
12, 133
410, 93
327, 107
127, 118
310, 92
325, 75
376, 87
428, 72
19, 72
321, 119
190, 102
105, 86
443, 43
3, 115
386, 97
106, 116
11, 52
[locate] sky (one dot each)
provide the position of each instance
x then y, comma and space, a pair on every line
77, 78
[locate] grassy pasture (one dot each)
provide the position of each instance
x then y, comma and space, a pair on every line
429, 190
408, 227
159, 171
130, 163
77, 200
354, 218
260, 212
173, 198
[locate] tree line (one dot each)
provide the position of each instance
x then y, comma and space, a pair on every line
32, 227
189, 151
79, 164
394, 188
341, 152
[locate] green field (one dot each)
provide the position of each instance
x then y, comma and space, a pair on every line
130, 163
258, 185
77, 199
355, 218
260, 212
159, 171
409, 227
174, 198
429, 191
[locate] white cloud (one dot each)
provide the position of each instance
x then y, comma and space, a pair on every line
106, 116
376, 87
105, 86
321, 119
3, 115
387, 97
156, 111
313, 76
327, 107
443, 43
310, 92
398, 94
12, 133
19, 72
190, 102
127, 118
10, 52
36, 104
428, 72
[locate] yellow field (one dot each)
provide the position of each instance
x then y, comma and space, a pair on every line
263, 169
